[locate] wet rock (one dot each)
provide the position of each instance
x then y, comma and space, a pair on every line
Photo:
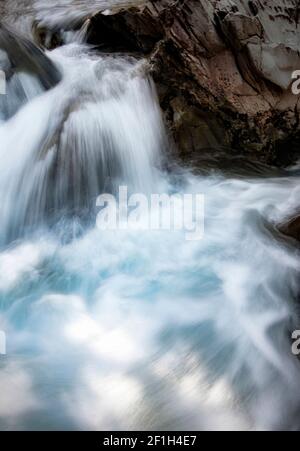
223, 70
44, 38
292, 228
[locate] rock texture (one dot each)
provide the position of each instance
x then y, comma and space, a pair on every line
292, 228
223, 70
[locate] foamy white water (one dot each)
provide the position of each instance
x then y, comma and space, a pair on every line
136, 330
57, 14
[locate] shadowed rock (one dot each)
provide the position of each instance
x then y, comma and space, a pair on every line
292, 228
27, 69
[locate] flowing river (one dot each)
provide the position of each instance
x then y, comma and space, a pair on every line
135, 329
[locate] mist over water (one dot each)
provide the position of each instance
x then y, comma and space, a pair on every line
136, 330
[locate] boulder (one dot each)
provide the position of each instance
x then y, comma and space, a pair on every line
223, 70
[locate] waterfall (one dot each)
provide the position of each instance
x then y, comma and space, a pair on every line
91, 133
133, 329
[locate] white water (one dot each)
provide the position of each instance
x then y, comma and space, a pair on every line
136, 330
57, 14
90, 134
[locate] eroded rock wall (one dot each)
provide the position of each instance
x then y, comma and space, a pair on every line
223, 69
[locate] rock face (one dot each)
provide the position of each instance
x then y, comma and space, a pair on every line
223, 70
292, 228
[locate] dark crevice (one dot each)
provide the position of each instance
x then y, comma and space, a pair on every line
125, 31
253, 8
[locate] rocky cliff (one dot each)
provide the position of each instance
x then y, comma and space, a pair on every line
223, 69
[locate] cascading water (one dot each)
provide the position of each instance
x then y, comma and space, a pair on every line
135, 330
91, 133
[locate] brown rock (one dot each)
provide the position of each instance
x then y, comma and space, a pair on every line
221, 62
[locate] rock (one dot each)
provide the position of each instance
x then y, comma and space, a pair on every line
45, 38
18, 57
292, 228
223, 70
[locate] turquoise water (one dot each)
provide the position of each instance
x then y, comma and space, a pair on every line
131, 329
146, 330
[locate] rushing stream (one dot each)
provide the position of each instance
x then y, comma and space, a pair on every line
126, 329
